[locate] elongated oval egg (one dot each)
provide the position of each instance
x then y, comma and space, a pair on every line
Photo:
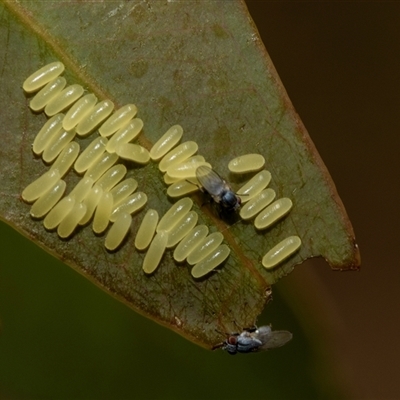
43, 76
130, 205
125, 134
49, 129
111, 177
99, 113
81, 189
71, 220
190, 242
64, 99
102, 165
205, 247
155, 252
57, 144
257, 203
181, 188
66, 158
118, 231
52, 89
40, 186
182, 228
172, 216
168, 180
195, 159
166, 142
246, 163
125, 188
79, 111
254, 186
48, 200
58, 212
146, 230
91, 201
103, 213
281, 251
133, 152
178, 155
117, 120
186, 169
274, 212
209, 263
90, 155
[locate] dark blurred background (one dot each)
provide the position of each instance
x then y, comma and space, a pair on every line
62, 337
340, 64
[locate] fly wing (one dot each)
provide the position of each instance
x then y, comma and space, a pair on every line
275, 339
210, 180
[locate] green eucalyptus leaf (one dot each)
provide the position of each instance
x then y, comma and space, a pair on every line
198, 64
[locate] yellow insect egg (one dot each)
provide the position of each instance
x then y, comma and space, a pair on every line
209, 263
185, 170
146, 230
91, 200
117, 120
99, 113
281, 251
174, 214
103, 164
64, 99
125, 134
182, 228
71, 220
246, 163
178, 155
257, 203
181, 188
194, 181
112, 177
130, 205
90, 155
166, 142
79, 111
254, 186
118, 231
168, 180
273, 213
196, 158
103, 213
133, 152
155, 252
51, 90
66, 158
82, 189
57, 144
48, 200
43, 76
58, 212
40, 186
205, 247
121, 191
49, 129
190, 242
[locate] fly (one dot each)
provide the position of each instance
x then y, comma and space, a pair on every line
257, 339
218, 189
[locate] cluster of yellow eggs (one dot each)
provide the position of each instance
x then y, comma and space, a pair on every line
104, 196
